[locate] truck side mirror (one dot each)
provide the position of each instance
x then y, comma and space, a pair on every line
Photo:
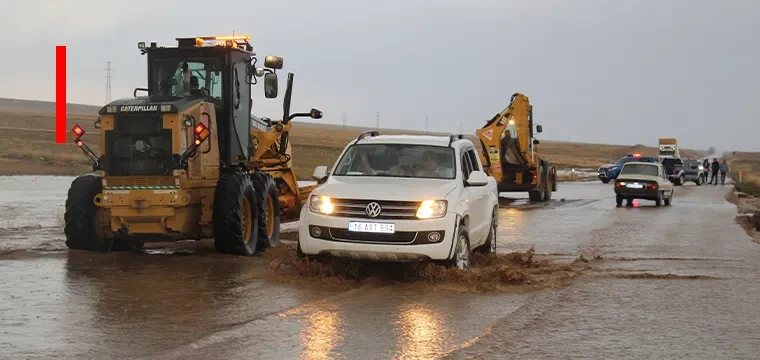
477, 178
539, 129
270, 85
320, 173
273, 62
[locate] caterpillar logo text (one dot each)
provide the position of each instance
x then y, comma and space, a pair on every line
139, 108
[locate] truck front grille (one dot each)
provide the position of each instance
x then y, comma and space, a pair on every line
399, 210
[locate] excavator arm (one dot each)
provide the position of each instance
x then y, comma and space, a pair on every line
506, 139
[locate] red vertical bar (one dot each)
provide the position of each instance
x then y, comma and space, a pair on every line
60, 94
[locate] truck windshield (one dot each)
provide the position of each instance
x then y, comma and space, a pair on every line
639, 169
667, 150
205, 77
397, 160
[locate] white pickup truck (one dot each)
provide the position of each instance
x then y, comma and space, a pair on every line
402, 198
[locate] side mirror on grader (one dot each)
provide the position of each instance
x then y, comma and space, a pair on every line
539, 129
273, 62
270, 85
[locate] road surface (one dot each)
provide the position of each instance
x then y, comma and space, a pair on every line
670, 282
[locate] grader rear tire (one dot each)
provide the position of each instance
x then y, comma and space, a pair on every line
268, 205
81, 224
234, 219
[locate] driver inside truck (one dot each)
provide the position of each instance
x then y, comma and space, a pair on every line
389, 157
431, 168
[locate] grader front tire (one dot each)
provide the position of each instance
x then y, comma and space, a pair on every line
81, 216
268, 205
235, 218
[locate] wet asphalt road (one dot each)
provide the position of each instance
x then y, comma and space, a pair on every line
670, 282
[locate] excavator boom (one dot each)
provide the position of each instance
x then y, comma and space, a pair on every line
510, 153
517, 119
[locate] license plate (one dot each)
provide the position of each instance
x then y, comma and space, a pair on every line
382, 228
635, 186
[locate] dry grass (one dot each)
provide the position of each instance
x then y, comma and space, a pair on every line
748, 164
27, 145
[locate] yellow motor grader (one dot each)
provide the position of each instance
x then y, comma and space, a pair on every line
188, 161
511, 155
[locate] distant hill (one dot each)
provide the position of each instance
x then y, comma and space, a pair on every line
19, 105
39, 117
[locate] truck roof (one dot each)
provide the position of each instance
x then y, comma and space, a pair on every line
642, 163
410, 139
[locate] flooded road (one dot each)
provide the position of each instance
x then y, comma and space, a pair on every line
678, 281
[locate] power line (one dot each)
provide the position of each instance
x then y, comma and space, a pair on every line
108, 81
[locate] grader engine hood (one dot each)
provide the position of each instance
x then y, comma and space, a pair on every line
139, 136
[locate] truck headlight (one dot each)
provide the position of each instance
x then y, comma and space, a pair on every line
430, 209
320, 204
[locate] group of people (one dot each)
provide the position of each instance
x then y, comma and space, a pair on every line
714, 168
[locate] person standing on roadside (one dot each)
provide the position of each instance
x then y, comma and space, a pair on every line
706, 170
715, 168
723, 171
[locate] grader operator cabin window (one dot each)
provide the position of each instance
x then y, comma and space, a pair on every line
207, 72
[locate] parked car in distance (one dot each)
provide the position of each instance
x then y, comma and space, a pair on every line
610, 171
679, 171
643, 180
402, 198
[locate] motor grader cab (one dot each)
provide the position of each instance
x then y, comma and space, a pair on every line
188, 160
510, 152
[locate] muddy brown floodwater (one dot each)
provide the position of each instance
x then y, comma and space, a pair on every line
574, 279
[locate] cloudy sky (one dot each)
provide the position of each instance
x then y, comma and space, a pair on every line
600, 71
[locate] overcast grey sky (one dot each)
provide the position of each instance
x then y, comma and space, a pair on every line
601, 71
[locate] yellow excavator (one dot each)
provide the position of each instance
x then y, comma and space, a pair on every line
188, 161
510, 152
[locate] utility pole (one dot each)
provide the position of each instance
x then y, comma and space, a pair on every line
377, 119
108, 81
460, 127
426, 124
344, 119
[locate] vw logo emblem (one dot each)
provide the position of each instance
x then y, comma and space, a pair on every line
373, 209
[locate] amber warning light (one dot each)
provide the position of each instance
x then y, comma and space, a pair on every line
79, 131
202, 131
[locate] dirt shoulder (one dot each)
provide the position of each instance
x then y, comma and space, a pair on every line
748, 207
